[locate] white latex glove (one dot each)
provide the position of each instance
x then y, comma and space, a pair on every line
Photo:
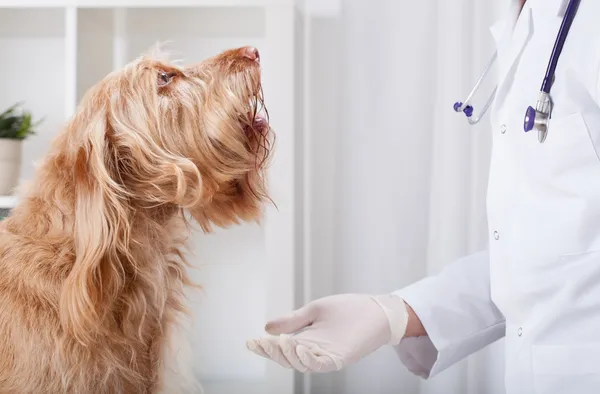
331, 333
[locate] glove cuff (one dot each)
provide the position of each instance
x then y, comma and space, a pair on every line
396, 313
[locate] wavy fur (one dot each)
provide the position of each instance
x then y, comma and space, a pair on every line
92, 259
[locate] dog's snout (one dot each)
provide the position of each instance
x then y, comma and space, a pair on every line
251, 53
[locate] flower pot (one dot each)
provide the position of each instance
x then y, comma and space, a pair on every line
10, 164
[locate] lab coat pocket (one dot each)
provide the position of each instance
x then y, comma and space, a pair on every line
565, 174
566, 369
571, 149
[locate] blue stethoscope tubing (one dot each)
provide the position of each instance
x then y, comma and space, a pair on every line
538, 117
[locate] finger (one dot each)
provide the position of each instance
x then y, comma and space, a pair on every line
254, 346
293, 322
317, 360
271, 347
288, 347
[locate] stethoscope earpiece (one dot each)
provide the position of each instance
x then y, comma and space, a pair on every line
465, 107
468, 110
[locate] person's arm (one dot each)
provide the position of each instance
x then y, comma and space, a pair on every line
414, 327
432, 324
451, 315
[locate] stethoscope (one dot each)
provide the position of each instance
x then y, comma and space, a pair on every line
538, 117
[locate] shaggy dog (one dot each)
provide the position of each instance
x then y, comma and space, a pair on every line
92, 258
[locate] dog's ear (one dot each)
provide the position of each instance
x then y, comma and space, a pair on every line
117, 172
100, 229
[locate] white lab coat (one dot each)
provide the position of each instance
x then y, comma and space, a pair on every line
538, 284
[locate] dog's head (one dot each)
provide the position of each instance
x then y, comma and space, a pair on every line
147, 141
195, 137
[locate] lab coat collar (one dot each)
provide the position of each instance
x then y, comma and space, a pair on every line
511, 14
511, 34
562, 7
504, 27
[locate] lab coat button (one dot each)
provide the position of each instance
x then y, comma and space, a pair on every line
503, 129
520, 331
496, 235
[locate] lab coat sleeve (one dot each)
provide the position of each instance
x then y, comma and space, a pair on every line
457, 312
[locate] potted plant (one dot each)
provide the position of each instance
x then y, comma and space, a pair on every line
16, 125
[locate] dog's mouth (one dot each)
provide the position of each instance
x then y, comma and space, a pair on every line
257, 118
257, 124
256, 127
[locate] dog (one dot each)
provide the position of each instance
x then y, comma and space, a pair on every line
93, 257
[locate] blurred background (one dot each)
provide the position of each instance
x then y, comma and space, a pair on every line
378, 182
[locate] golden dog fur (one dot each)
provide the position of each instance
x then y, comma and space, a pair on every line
92, 258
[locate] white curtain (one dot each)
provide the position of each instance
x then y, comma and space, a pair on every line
396, 179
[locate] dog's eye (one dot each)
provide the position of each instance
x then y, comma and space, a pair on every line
165, 78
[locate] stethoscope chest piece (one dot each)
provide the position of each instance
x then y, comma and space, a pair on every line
539, 117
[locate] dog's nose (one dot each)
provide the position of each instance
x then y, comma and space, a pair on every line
251, 53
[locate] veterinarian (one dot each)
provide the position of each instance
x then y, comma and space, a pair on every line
538, 284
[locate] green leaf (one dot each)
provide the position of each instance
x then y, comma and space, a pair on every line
10, 110
15, 125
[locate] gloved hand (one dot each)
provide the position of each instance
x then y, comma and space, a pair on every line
331, 333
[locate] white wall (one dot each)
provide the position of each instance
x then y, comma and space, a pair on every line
32, 54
